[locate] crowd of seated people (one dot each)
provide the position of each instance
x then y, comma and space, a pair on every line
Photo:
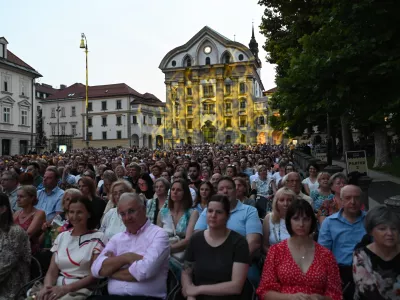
133, 219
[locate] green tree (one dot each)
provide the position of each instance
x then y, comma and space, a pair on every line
349, 66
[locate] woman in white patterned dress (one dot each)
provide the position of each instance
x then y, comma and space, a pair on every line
74, 251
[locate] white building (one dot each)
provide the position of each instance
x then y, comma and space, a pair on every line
118, 116
17, 90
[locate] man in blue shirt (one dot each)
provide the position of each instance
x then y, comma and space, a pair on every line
342, 231
243, 219
49, 199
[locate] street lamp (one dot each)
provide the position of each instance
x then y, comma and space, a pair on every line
84, 45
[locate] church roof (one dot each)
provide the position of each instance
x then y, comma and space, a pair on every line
198, 36
14, 61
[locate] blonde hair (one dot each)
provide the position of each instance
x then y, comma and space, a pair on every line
126, 184
275, 217
75, 193
320, 174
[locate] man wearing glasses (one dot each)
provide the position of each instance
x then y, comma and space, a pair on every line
136, 260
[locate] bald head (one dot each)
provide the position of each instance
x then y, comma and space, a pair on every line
350, 189
130, 197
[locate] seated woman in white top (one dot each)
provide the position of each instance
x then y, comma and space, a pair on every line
311, 182
69, 275
112, 223
274, 228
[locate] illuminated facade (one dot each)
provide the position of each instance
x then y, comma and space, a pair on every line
214, 92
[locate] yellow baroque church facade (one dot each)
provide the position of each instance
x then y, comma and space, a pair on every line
214, 92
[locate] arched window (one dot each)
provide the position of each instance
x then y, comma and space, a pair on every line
227, 58
208, 61
243, 138
188, 62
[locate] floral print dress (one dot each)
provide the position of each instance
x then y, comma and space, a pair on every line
375, 278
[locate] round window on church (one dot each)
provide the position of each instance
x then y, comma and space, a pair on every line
241, 57
173, 63
207, 50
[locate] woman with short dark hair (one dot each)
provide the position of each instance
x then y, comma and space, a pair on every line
210, 273
299, 266
14, 252
73, 253
376, 267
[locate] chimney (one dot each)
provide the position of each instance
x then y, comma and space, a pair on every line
62, 86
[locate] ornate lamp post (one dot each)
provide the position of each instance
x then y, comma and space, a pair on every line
84, 45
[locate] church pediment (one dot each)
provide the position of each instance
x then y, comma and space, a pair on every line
206, 43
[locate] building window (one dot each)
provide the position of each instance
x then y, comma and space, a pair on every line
44, 96
227, 58
119, 121
103, 105
134, 119
90, 106
188, 62
242, 88
189, 91
158, 121
104, 135
189, 124
243, 138
144, 120
241, 57
173, 63
23, 87
208, 91
119, 134
228, 139
242, 105
189, 140
37, 94
176, 124
190, 110
208, 108
208, 61
7, 114
261, 120
242, 121
90, 136
73, 129
24, 117
90, 122
228, 107
53, 112
119, 104
53, 129
176, 109
150, 120
7, 83
62, 129
228, 89
103, 121
229, 122
62, 111
73, 111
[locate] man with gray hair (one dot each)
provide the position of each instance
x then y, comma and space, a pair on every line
10, 184
135, 261
342, 231
292, 181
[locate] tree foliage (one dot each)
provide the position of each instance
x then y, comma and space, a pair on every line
335, 56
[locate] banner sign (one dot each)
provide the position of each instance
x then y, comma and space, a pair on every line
356, 161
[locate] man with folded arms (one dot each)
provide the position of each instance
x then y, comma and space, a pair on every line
135, 261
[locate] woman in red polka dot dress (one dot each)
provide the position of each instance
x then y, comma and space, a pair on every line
299, 268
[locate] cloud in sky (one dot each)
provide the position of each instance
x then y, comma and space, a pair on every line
127, 38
